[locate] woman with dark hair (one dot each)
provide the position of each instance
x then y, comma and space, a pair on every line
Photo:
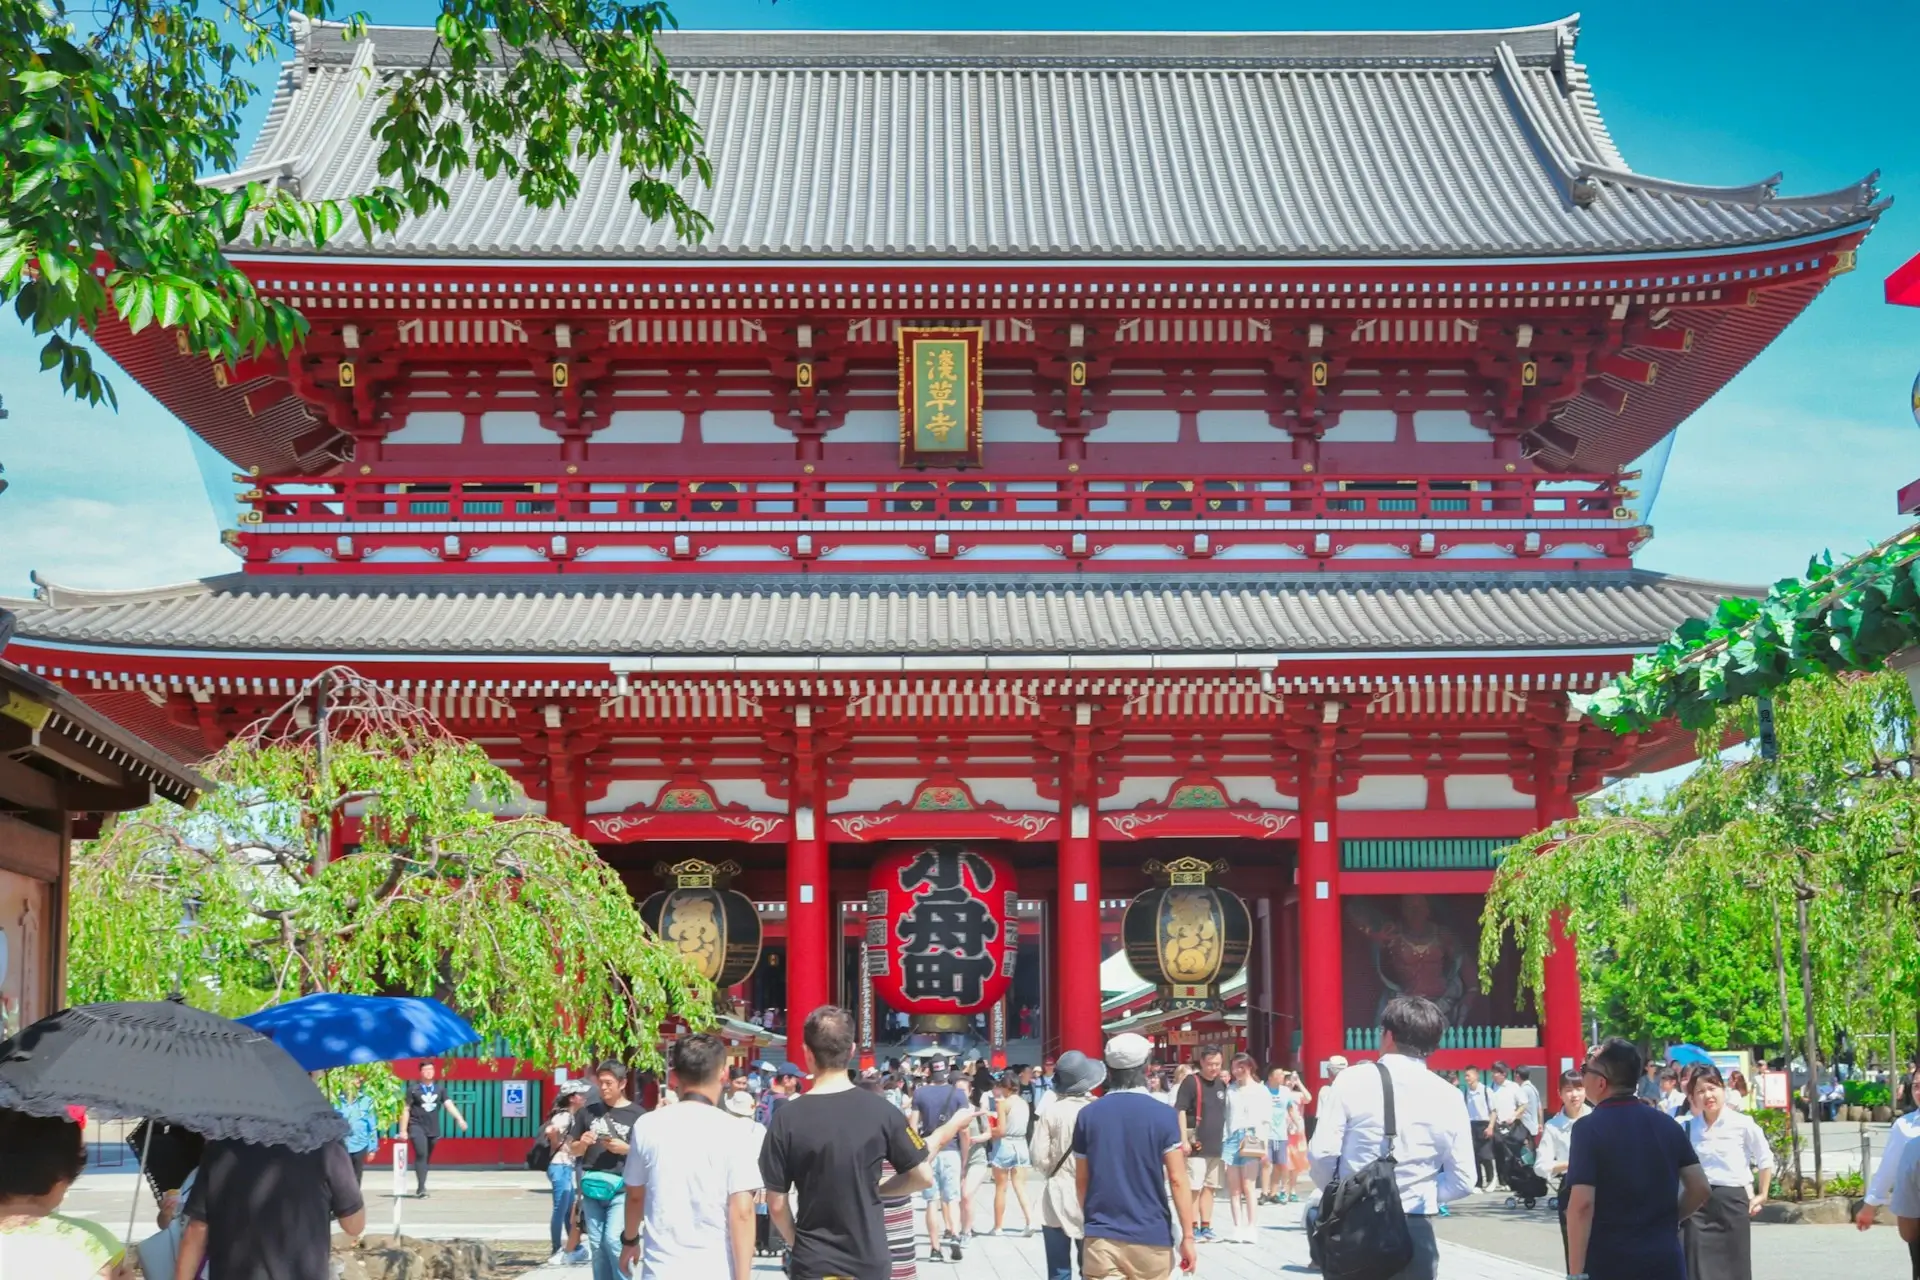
43, 1155
1010, 1160
1733, 1152
1249, 1122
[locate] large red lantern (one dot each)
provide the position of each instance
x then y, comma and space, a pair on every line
942, 932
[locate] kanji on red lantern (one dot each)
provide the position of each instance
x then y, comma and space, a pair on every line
941, 929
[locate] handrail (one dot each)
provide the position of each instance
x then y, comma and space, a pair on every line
1583, 500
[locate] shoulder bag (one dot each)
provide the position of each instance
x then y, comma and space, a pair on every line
1362, 1229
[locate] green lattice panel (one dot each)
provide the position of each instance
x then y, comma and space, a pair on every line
1468, 854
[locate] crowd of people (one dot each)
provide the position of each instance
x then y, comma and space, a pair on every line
1118, 1162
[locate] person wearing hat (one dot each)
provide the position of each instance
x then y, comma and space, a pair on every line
1128, 1152
1335, 1065
1063, 1226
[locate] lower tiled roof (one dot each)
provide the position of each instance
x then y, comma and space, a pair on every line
856, 618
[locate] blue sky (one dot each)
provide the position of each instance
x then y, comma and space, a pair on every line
1804, 450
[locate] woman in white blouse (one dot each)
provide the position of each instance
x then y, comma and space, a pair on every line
1249, 1122
1733, 1153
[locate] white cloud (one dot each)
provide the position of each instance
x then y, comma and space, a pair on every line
96, 498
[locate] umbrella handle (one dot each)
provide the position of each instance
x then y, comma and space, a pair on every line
140, 1180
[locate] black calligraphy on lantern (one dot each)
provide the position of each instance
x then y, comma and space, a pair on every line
945, 933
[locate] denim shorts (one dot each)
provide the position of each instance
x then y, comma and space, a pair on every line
946, 1179
1011, 1153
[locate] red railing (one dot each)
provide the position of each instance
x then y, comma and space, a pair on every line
901, 522
1543, 499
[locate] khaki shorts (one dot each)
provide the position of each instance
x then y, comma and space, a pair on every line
1206, 1171
1112, 1260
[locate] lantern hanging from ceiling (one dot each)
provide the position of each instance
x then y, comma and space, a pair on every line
942, 932
709, 924
1186, 936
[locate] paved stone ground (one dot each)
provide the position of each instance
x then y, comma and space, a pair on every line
1482, 1241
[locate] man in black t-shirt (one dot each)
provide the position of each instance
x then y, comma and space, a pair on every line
426, 1098
828, 1145
267, 1211
1202, 1107
601, 1131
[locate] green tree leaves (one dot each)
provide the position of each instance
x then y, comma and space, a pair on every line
1672, 900
107, 135
1849, 617
514, 921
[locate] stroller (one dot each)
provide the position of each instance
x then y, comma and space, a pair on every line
1513, 1161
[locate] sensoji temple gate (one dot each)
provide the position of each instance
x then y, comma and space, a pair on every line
1277, 495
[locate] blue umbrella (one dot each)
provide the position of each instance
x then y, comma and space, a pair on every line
1681, 1055
323, 1031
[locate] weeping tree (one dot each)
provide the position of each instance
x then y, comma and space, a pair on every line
254, 896
1768, 898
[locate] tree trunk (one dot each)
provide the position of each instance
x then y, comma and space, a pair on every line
1786, 1046
1813, 1039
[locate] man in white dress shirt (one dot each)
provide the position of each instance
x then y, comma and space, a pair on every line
1432, 1144
1904, 1130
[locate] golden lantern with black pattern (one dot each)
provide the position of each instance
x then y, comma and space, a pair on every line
709, 924
1187, 936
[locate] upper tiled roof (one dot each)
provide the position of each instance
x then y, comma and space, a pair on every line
870, 620
1066, 146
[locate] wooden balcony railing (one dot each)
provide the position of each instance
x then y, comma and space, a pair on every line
366, 518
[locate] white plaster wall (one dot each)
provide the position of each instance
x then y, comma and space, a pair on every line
627, 793
1134, 792
642, 426
1013, 793
866, 794
1388, 791
1257, 790
1138, 426
1237, 425
1363, 426
1484, 791
867, 426
750, 792
429, 428
1447, 426
1014, 426
502, 426
742, 426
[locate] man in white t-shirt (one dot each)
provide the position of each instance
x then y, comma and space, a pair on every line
692, 1172
1530, 1105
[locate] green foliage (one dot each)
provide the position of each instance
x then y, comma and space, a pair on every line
1672, 900
1867, 1093
1849, 1185
1847, 617
376, 1081
111, 117
1774, 1125
514, 921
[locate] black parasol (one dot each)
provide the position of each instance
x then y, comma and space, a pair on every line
167, 1154
169, 1063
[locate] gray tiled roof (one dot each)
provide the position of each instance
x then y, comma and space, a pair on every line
1326, 613
1067, 146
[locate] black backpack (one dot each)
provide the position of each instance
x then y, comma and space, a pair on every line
540, 1155
1362, 1229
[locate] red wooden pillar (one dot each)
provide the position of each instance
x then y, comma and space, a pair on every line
1322, 1013
1561, 1032
810, 926
566, 797
1076, 936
